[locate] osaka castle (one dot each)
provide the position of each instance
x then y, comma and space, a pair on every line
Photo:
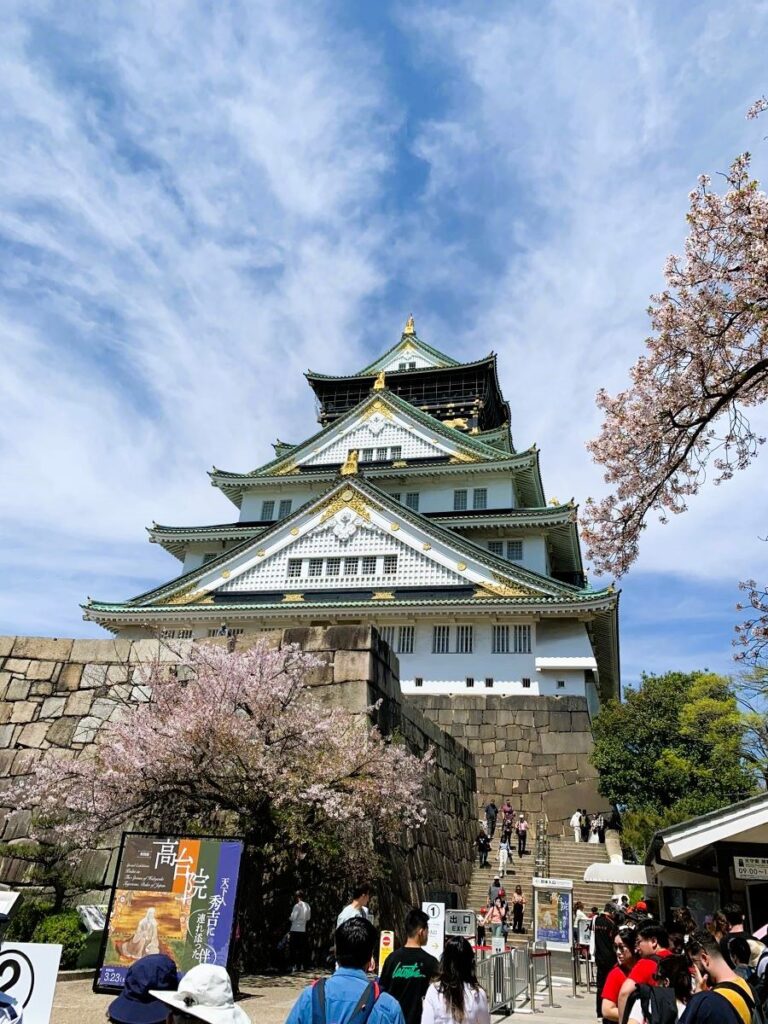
409, 510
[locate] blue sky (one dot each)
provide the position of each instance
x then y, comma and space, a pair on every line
200, 201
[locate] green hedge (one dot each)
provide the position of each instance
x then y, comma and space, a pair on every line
64, 928
22, 925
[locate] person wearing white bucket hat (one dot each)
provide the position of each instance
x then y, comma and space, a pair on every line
204, 993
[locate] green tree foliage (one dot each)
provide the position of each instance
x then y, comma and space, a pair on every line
673, 749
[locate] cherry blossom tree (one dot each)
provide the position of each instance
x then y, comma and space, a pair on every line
237, 743
685, 414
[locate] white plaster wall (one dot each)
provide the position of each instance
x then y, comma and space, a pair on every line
438, 497
563, 638
408, 357
573, 679
195, 553
250, 508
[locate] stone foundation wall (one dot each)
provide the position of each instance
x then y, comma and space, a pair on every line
58, 693
534, 750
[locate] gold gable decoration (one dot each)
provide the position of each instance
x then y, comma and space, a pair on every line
350, 465
502, 587
379, 384
347, 499
189, 595
464, 457
377, 407
410, 327
286, 470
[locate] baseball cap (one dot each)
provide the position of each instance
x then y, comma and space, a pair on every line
205, 993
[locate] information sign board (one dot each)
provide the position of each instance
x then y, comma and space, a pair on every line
461, 922
172, 895
752, 869
28, 976
386, 946
436, 941
553, 912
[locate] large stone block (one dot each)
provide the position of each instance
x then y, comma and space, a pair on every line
24, 710
53, 707
33, 735
95, 651
42, 648
6, 760
25, 761
69, 679
41, 669
19, 665
93, 677
6, 735
566, 743
6, 645
86, 729
78, 703
61, 732
17, 689
42, 688
352, 665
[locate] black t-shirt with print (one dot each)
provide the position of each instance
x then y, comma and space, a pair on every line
406, 975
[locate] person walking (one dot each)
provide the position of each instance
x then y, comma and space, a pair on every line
575, 824
503, 856
407, 972
522, 834
496, 917
518, 909
584, 825
603, 934
483, 848
456, 997
297, 935
491, 814
494, 889
357, 906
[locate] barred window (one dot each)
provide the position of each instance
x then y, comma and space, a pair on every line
480, 497
412, 366
395, 496
285, 508
350, 567
396, 452
381, 454
387, 634
405, 636
526, 683
441, 638
176, 634
522, 640
294, 567
418, 681
267, 510
488, 682
390, 564
315, 567
369, 565
514, 550
561, 684
470, 682
412, 500
401, 366
459, 501
464, 639
209, 555
226, 631
333, 566
500, 640
366, 454
496, 547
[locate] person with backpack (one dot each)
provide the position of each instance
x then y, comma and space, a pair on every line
652, 944
665, 1001
722, 997
348, 995
456, 997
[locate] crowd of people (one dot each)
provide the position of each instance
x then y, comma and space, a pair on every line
658, 973
589, 828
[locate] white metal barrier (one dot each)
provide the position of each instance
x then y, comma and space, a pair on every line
517, 979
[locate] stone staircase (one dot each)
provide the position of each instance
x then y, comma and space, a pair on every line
566, 860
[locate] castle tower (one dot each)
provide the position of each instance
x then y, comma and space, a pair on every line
409, 510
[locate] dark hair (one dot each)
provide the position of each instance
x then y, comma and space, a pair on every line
733, 913
629, 937
702, 941
609, 908
299, 894
415, 920
675, 970
739, 949
683, 917
355, 942
655, 931
457, 969
361, 890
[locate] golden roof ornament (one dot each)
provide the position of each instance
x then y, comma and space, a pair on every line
409, 326
378, 384
350, 466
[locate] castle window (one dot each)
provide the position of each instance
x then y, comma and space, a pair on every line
350, 567
470, 682
209, 555
381, 454
333, 566
395, 496
294, 567
285, 508
488, 682
401, 366
267, 510
390, 564
176, 634
369, 565
405, 636
500, 640
515, 550
396, 452
522, 638
366, 454
561, 684
418, 681
315, 567
459, 501
387, 634
526, 683
412, 500
441, 638
464, 639
412, 366
480, 497
496, 547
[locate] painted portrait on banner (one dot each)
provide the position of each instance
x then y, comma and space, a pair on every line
552, 917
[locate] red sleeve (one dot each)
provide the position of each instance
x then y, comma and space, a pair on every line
643, 971
612, 987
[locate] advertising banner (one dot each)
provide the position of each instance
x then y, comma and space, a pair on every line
553, 912
172, 895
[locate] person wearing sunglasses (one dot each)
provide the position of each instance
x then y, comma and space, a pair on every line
626, 958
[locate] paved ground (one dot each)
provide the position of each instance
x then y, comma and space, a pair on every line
269, 999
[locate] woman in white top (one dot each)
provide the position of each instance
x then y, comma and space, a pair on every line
456, 997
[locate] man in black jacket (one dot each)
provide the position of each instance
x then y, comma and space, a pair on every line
604, 930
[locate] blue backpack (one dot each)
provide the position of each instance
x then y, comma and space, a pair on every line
361, 1012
